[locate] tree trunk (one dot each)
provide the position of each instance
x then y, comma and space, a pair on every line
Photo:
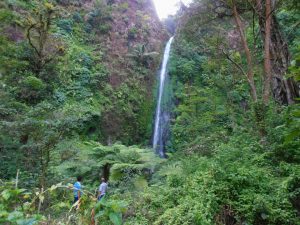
267, 60
106, 172
284, 90
250, 73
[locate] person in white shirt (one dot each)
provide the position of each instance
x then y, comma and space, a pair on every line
102, 189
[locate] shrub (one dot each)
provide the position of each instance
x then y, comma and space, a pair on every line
66, 25
123, 7
132, 33
105, 28
34, 83
77, 17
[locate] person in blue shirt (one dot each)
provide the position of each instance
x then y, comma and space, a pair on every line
77, 187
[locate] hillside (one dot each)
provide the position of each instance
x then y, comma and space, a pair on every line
87, 85
85, 67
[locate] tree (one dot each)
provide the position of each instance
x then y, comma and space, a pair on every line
267, 59
250, 73
38, 36
277, 60
284, 90
142, 56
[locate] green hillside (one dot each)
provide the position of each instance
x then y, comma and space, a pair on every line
78, 91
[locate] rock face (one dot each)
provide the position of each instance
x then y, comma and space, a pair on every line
132, 46
126, 30
121, 42
136, 30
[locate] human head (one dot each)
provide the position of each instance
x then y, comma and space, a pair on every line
102, 179
79, 178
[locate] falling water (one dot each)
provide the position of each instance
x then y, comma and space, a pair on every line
161, 118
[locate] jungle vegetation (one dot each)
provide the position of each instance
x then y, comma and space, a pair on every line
234, 151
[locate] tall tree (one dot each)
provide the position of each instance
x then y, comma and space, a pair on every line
267, 60
250, 73
45, 46
284, 90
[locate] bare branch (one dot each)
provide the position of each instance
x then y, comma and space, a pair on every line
28, 35
233, 62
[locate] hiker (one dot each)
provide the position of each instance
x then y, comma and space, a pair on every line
77, 187
102, 189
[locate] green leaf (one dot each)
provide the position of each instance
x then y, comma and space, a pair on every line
264, 216
116, 218
14, 216
292, 135
3, 214
30, 221
140, 183
6, 194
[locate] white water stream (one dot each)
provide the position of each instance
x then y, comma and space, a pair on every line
158, 133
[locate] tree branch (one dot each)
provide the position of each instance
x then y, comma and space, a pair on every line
29, 39
234, 63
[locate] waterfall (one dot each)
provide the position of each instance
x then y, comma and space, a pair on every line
161, 118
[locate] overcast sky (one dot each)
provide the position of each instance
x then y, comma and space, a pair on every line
167, 7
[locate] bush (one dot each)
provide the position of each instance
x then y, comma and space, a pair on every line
34, 83
104, 29
132, 33
123, 7
66, 25
15, 205
77, 17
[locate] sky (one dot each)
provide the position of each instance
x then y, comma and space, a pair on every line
167, 7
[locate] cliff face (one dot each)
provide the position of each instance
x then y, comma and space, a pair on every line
131, 39
127, 31
133, 49
135, 21
103, 51
135, 32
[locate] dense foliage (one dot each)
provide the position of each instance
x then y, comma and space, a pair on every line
231, 160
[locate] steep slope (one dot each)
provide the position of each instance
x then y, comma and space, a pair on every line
80, 69
130, 37
134, 23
